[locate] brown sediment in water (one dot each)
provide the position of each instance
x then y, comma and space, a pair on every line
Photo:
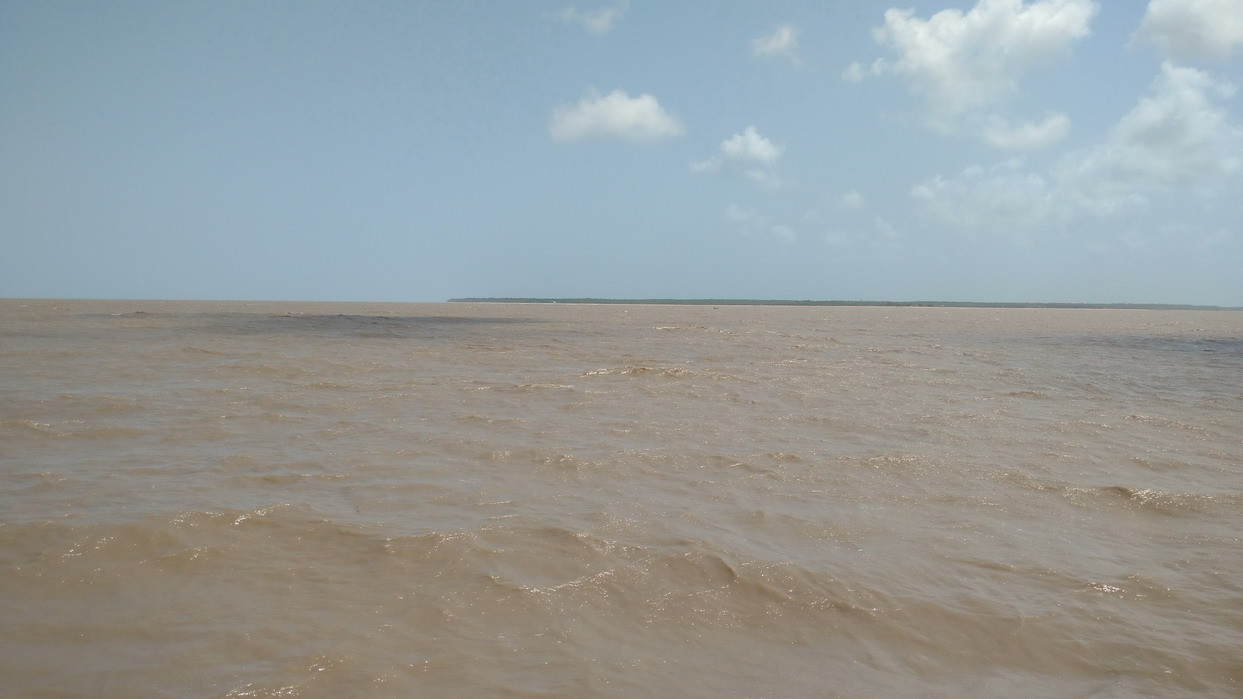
204, 498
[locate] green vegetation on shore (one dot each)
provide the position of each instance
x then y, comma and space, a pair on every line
910, 304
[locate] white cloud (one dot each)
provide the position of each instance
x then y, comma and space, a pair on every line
598, 21
963, 66
783, 41
1192, 29
753, 152
1176, 140
615, 115
712, 164
966, 62
1001, 133
1176, 136
851, 201
750, 145
999, 198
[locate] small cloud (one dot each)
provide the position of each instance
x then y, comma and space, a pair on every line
598, 21
756, 154
1136, 242
764, 179
751, 222
856, 72
615, 115
885, 230
1193, 29
851, 201
712, 164
737, 214
750, 145
783, 41
1000, 133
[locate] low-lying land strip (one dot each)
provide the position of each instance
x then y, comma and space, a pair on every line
912, 304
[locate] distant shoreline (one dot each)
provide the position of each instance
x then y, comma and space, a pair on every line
901, 304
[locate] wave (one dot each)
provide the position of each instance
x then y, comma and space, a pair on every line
526, 387
673, 372
323, 603
1173, 503
1153, 500
493, 560
33, 429
1166, 422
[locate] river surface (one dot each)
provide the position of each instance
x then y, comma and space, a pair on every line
210, 499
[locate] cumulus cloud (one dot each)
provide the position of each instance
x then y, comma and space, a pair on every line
750, 152
851, 201
999, 198
750, 145
960, 62
1193, 29
1002, 133
615, 115
1177, 139
782, 42
1178, 135
597, 21
964, 65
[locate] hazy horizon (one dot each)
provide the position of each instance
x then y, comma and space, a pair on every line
672, 301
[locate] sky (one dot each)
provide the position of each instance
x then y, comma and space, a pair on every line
999, 150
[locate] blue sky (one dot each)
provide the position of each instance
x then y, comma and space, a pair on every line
1050, 150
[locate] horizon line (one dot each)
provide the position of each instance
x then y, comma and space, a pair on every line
839, 302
